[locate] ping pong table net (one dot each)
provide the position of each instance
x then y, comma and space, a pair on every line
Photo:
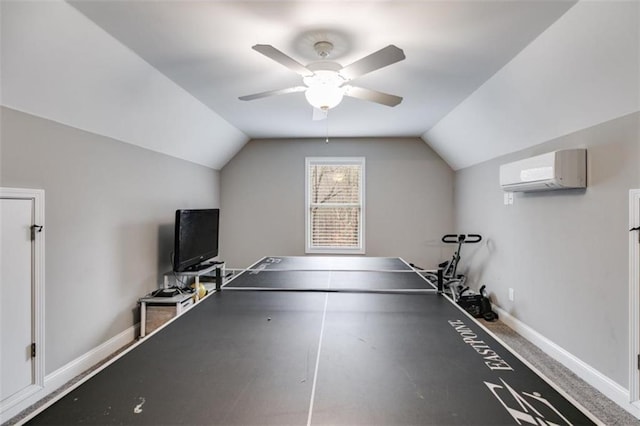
331, 275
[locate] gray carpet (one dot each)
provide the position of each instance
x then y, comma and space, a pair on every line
599, 405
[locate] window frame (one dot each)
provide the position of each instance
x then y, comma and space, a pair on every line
347, 161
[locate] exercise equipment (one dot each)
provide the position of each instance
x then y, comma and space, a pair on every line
452, 281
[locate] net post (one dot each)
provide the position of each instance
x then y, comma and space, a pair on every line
440, 280
218, 278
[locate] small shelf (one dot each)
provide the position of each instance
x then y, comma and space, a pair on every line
155, 311
197, 274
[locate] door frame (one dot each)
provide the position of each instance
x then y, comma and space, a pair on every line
634, 298
37, 196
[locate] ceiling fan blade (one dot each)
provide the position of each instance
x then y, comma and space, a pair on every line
373, 96
273, 93
380, 59
273, 53
319, 114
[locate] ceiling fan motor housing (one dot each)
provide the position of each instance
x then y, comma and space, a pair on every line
323, 48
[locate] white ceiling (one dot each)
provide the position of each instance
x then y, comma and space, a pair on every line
451, 47
481, 79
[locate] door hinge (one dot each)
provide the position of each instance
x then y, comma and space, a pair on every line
34, 229
33, 350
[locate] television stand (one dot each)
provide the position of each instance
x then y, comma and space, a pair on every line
157, 310
205, 266
217, 266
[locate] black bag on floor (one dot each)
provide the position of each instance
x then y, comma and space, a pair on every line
477, 305
471, 303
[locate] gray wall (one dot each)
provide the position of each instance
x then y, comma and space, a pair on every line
564, 253
109, 211
409, 198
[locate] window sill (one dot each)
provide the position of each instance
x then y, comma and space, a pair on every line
334, 251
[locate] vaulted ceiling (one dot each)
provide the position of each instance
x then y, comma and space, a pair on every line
203, 49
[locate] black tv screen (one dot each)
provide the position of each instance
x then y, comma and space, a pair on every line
196, 238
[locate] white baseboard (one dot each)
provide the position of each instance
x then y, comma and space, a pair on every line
58, 378
602, 383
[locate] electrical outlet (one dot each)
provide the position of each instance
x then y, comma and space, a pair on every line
511, 295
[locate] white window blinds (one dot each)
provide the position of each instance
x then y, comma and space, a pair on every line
335, 205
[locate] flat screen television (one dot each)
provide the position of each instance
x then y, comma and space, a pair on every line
196, 238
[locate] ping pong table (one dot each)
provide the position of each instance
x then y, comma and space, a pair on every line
316, 341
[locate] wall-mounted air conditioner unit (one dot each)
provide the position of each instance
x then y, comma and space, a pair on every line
554, 170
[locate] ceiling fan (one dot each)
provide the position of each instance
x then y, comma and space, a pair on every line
326, 82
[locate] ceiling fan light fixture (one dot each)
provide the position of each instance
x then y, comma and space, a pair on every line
324, 97
324, 91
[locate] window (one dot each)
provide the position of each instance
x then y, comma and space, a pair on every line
335, 205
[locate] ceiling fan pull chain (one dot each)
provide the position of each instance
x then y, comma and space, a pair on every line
326, 140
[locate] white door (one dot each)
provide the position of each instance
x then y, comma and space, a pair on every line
21, 263
634, 295
16, 317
